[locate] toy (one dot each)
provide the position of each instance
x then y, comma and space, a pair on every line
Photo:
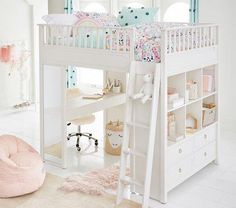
114, 136
146, 91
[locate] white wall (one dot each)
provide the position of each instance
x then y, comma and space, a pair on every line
18, 19
15, 25
223, 13
40, 8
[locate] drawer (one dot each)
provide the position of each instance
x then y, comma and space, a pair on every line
178, 151
177, 173
204, 156
205, 137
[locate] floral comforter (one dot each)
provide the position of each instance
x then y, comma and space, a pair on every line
148, 41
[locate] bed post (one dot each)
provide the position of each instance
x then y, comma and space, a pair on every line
163, 124
217, 160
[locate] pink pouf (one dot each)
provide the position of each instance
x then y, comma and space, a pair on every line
21, 167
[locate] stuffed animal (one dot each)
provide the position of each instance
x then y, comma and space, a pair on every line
147, 90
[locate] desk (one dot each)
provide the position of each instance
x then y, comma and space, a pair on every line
57, 109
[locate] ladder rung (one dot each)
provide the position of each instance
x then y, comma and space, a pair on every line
134, 153
138, 125
127, 181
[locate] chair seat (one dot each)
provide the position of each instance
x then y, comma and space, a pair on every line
83, 120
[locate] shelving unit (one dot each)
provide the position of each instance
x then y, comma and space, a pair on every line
199, 148
193, 106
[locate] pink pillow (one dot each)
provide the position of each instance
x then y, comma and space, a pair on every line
21, 168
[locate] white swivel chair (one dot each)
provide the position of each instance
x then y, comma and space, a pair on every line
79, 122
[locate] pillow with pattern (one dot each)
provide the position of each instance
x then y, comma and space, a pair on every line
132, 16
89, 19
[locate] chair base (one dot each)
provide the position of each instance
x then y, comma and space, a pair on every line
79, 135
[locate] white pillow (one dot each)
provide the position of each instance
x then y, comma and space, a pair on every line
60, 19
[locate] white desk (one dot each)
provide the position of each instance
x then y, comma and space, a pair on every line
80, 107
57, 109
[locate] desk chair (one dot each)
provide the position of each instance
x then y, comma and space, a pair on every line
79, 122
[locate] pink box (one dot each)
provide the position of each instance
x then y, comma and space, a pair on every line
208, 83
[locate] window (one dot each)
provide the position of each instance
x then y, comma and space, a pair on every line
95, 77
90, 75
177, 12
135, 5
95, 7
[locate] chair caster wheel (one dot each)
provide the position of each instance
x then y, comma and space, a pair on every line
68, 139
78, 149
96, 143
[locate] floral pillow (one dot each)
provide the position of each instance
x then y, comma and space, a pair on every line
132, 16
96, 19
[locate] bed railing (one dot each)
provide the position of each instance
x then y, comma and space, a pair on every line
122, 40
185, 38
102, 38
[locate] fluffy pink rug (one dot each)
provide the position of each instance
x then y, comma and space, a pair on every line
95, 182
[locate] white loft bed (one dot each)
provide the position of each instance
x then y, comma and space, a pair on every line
180, 57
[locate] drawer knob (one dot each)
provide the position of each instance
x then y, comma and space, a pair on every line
205, 136
180, 151
180, 170
205, 154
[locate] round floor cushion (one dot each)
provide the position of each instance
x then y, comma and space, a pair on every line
21, 167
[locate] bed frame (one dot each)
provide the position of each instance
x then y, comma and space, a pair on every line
66, 52
198, 50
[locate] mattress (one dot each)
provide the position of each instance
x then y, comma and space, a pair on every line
147, 40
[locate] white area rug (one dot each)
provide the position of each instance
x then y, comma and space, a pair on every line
49, 196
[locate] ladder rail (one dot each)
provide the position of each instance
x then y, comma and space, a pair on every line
152, 137
125, 145
131, 123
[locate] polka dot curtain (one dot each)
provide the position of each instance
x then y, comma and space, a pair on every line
71, 70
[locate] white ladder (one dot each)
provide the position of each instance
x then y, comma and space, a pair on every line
123, 179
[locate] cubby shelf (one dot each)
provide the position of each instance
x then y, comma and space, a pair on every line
205, 95
208, 94
193, 107
174, 109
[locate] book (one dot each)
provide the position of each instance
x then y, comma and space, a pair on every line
93, 97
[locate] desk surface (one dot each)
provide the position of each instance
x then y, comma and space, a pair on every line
81, 107
78, 106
